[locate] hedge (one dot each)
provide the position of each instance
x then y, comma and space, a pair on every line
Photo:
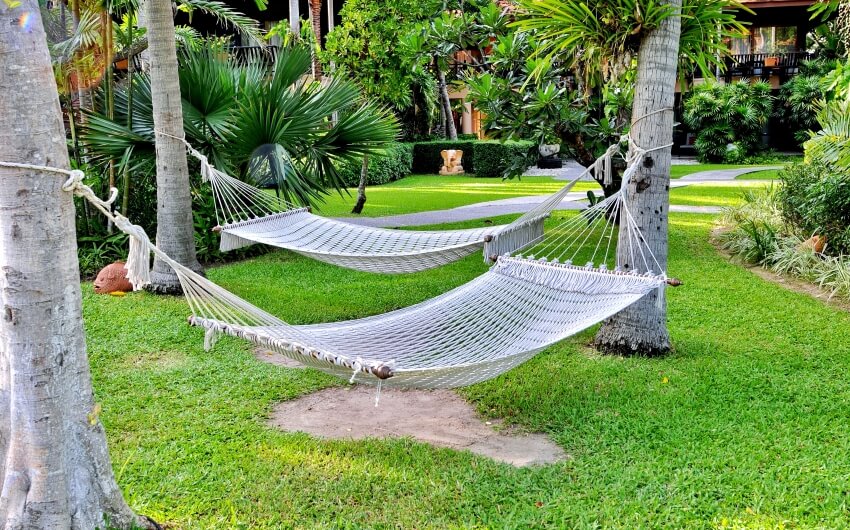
482, 158
396, 163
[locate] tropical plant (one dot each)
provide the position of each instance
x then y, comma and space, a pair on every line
830, 146
728, 119
815, 199
367, 47
798, 102
600, 39
264, 123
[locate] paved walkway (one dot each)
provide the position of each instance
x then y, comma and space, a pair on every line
573, 201
484, 210
724, 174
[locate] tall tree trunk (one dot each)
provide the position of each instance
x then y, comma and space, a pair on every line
642, 327
361, 188
54, 464
175, 233
142, 23
316, 21
451, 130
295, 17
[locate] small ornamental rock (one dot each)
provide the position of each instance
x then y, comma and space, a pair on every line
112, 278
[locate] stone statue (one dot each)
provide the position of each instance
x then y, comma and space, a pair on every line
112, 278
451, 162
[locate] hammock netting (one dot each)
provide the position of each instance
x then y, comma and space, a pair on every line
472, 333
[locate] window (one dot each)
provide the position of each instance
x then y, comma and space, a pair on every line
768, 39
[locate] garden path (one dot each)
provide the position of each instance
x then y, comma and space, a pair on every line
724, 174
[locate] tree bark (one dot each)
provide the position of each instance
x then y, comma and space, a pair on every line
55, 470
295, 17
316, 21
175, 233
142, 23
451, 130
642, 327
361, 188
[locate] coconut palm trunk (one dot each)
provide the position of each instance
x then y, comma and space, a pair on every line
642, 327
316, 22
295, 17
175, 232
54, 464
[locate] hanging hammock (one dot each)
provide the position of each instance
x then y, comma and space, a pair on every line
249, 215
472, 333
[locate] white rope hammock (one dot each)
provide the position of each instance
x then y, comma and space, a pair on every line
249, 215
472, 333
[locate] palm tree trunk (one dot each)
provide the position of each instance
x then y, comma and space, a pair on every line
294, 17
451, 130
642, 327
54, 464
361, 188
174, 233
316, 21
142, 23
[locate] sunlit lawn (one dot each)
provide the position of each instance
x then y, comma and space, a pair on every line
744, 426
713, 194
418, 193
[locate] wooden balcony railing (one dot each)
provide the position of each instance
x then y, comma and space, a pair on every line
765, 65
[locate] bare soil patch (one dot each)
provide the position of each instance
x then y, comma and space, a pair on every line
437, 417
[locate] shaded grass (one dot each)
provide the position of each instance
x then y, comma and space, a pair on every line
748, 431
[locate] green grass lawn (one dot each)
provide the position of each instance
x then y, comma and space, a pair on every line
418, 193
712, 194
768, 174
679, 171
744, 426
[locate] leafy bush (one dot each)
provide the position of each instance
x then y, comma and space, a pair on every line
797, 105
728, 119
815, 198
396, 163
492, 159
482, 158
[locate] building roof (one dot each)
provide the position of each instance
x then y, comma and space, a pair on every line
761, 4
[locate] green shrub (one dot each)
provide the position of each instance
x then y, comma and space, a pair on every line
728, 119
396, 163
815, 199
482, 158
492, 158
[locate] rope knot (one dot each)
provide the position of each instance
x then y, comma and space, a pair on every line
74, 182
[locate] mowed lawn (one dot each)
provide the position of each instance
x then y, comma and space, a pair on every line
418, 193
743, 426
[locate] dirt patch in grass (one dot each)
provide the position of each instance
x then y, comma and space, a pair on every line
159, 361
437, 417
272, 357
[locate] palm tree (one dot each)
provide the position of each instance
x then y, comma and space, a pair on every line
268, 124
175, 232
54, 463
599, 39
295, 17
316, 22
